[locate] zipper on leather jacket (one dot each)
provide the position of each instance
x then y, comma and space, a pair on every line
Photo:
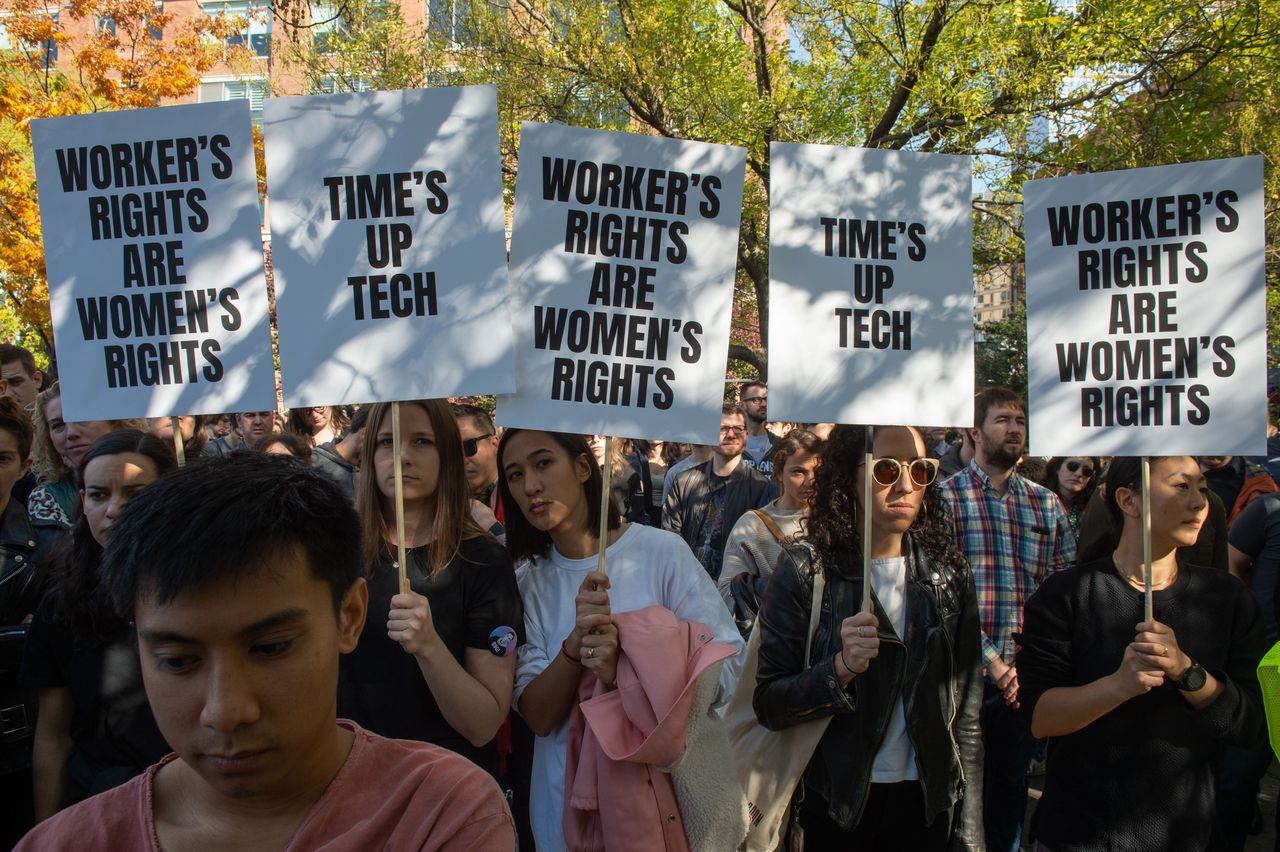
951, 672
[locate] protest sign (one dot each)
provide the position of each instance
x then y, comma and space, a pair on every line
622, 262
1146, 311
153, 247
870, 286
389, 245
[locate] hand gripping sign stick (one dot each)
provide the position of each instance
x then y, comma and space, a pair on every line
399, 468
178, 450
866, 523
1146, 537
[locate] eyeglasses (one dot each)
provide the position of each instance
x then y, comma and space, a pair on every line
471, 445
888, 471
755, 399
1074, 466
737, 430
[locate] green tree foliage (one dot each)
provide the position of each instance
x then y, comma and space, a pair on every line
1017, 83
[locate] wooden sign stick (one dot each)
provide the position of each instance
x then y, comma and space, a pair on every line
178, 449
606, 482
1146, 537
399, 469
866, 525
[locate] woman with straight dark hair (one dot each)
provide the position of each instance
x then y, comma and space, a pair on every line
1137, 709
435, 662
1073, 479
95, 729
550, 485
900, 764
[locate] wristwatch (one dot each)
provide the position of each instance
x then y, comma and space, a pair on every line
1194, 679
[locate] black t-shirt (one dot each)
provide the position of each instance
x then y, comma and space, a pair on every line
382, 688
114, 733
1256, 533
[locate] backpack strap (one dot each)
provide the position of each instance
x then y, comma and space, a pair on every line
769, 523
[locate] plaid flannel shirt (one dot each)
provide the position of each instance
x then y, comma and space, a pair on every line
1012, 543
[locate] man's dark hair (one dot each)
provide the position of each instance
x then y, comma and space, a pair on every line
17, 423
10, 352
478, 415
359, 418
733, 408
996, 397
754, 383
218, 519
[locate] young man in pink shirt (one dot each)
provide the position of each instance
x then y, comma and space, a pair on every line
243, 579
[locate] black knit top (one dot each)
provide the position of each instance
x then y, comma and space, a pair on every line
1138, 778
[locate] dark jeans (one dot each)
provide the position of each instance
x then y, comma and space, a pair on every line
1010, 748
1237, 773
892, 819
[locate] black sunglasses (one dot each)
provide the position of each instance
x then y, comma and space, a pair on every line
470, 445
1074, 466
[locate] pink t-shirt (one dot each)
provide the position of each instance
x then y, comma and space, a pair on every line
389, 794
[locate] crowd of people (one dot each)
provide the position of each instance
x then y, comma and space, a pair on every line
209, 638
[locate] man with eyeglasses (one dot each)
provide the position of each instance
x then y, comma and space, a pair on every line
706, 500
480, 454
760, 441
1014, 532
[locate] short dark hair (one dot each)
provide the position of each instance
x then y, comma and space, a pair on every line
996, 397
10, 352
478, 415
730, 408
17, 423
219, 518
524, 540
295, 444
754, 383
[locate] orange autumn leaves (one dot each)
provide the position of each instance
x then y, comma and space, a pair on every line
108, 56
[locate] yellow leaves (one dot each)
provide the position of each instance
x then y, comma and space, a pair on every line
115, 62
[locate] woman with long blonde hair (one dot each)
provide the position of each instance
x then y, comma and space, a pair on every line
56, 452
436, 662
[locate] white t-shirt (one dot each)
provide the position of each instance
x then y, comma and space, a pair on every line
646, 566
896, 759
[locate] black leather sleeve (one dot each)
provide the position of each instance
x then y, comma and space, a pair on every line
787, 693
967, 725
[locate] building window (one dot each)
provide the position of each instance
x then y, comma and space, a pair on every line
447, 20
213, 91
326, 24
48, 50
332, 86
256, 35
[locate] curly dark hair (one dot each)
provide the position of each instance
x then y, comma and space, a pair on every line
831, 527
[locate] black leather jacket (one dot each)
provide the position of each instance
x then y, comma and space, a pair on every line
23, 573
936, 670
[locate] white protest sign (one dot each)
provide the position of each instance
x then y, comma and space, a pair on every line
622, 263
389, 245
1146, 311
870, 286
153, 248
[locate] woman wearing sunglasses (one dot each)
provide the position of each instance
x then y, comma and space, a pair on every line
1150, 703
903, 684
1073, 479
